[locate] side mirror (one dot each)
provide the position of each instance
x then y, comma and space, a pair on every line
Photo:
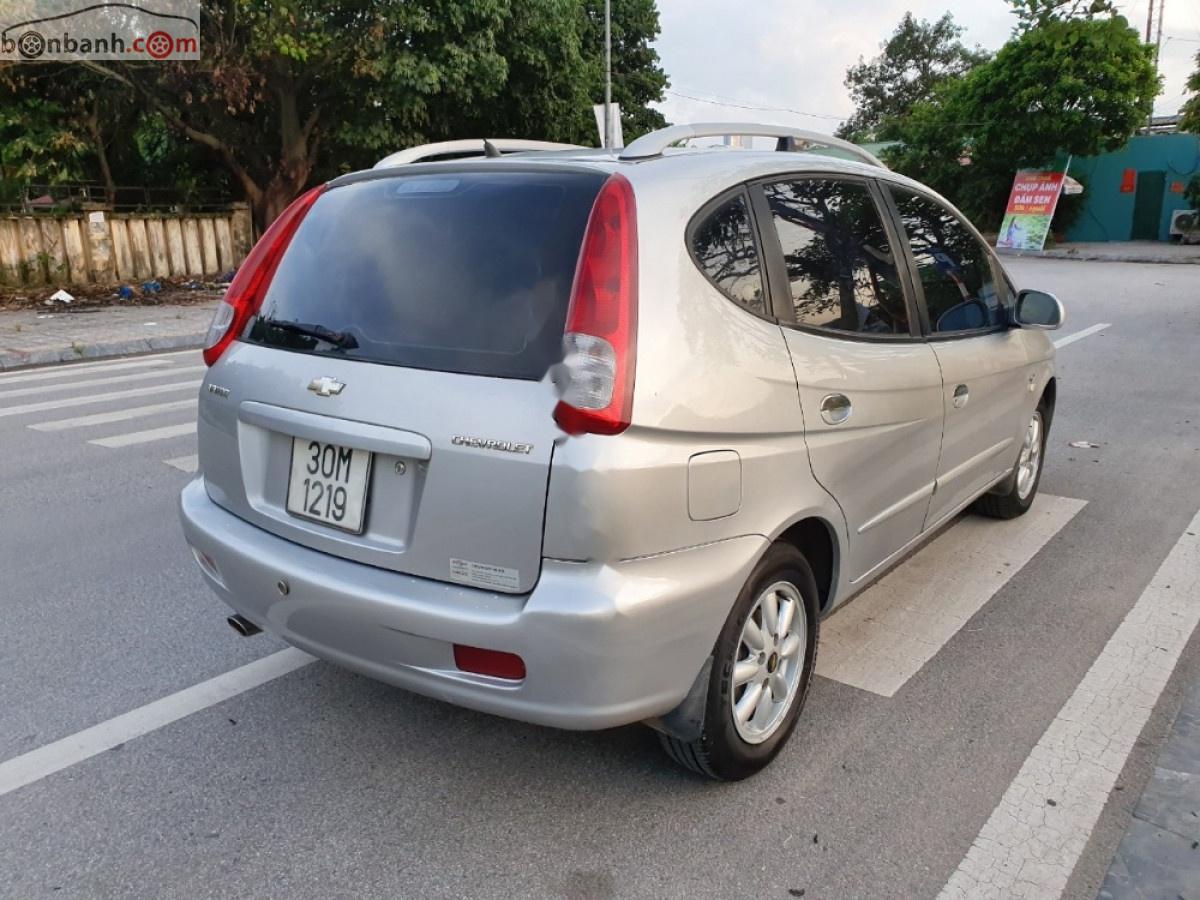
1037, 309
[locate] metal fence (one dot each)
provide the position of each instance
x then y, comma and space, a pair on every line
58, 198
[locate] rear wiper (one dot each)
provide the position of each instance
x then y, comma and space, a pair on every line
339, 339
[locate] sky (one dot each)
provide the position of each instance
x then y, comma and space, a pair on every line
792, 55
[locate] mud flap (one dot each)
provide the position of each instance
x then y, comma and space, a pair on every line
686, 721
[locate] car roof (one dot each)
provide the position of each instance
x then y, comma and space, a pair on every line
654, 157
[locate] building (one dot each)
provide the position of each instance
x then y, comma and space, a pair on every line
1131, 193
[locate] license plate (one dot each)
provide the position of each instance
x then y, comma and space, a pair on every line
329, 484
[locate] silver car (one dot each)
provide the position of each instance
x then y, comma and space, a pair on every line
590, 437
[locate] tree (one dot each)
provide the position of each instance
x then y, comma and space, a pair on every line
280, 79
37, 144
918, 57
1035, 13
638, 79
1191, 108
1077, 85
288, 92
554, 51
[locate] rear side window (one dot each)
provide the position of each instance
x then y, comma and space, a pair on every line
724, 248
839, 263
461, 271
957, 278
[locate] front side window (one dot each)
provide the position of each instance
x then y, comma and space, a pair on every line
723, 246
961, 292
839, 262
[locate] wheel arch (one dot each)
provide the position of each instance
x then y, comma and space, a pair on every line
816, 538
1049, 398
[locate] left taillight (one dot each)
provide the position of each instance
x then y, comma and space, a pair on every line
245, 293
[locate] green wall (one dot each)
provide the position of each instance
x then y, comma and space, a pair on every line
1107, 213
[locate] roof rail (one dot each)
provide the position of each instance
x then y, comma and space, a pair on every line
794, 139
470, 147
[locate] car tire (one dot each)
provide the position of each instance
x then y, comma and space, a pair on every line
1023, 484
776, 676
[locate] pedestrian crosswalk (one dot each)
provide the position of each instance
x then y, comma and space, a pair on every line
104, 405
145, 437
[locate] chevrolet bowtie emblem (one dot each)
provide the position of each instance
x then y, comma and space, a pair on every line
326, 386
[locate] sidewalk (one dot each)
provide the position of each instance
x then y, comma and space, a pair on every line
1118, 251
50, 335
1160, 853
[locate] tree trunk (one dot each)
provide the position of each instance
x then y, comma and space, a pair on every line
298, 145
92, 123
281, 190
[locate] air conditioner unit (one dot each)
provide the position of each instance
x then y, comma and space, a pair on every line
1185, 225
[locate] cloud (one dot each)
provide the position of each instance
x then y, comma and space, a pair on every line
792, 55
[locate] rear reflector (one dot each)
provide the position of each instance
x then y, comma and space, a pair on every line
245, 293
489, 662
601, 331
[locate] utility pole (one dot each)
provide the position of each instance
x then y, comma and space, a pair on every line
1158, 37
1149, 33
608, 72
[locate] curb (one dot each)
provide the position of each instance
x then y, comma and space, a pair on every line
1159, 855
12, 360
1097, 257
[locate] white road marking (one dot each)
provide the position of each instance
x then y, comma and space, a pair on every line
68, 402
120, 415
189, 464
883, 637
38, 764
72, 371
1029, 848
95, 382
59, 370
145, 437
1080, 335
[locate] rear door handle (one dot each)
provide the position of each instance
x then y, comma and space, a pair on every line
836, 408
961, 396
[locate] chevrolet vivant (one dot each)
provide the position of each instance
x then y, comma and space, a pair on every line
591, 437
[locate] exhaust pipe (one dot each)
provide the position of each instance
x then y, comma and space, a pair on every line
243, 626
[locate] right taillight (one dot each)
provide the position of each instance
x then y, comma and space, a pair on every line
245, 293
601, 330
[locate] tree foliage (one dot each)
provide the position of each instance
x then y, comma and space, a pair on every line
1191, 108
1036, 13
1078, 85
554, 50
638, 79
291, 91
919, 56
38, 144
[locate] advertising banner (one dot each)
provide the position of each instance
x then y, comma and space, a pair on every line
1030, 208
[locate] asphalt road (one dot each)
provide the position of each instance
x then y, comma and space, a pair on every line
325, 784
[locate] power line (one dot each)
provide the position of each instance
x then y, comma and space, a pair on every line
737, 105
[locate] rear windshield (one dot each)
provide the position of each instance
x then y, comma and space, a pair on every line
459, 271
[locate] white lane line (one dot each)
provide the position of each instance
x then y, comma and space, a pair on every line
95, 382
68, 402
145, 437
38, 764
121, 415
71, 371
1031, 843
189, 464
883, 637
1080, 335
71, 368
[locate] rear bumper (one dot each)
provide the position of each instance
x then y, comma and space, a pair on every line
603, 645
